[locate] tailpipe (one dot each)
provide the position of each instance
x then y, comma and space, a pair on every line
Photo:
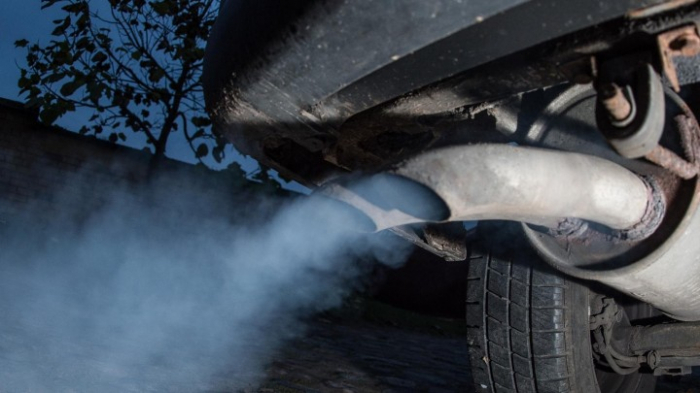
499, 182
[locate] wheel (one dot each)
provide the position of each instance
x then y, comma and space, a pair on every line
528, 325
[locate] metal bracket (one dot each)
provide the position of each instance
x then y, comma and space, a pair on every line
609, 314
680, 42
448, 240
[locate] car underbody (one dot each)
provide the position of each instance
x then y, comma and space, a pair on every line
566, 129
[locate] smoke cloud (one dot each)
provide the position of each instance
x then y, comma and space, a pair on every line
161, 289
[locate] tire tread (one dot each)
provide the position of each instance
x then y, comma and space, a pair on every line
515, 327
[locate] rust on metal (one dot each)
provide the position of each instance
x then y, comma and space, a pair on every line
680, 42
689, 137
689, 131
448, 239
667, 159
659, 8
614, 100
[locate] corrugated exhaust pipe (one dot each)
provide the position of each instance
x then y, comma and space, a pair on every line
499, 182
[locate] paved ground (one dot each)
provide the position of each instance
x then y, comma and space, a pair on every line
358, 356
685, 384
364, 357
335, 355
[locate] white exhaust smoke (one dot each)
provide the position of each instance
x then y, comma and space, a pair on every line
159, 290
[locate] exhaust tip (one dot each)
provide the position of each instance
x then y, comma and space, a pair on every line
350, 216
384, 201
396, 192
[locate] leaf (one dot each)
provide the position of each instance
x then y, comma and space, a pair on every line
48, 3
113, 138
83, 22
95, 91
61, 29
69, 88
156, 75
74, 8
198, 134
202, 151
99, 57
161, 7
23, 83
49, 115
21, 43
200, 121
53, 78
121, 136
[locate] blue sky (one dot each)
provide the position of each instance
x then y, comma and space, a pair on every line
25, 19
19, 19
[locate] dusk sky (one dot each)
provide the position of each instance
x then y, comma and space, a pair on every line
20, 19
25, 19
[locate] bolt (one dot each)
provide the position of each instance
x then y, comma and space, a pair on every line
653, 359
615, 102
688, 44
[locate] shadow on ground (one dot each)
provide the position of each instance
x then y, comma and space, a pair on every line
371, 347
398, 352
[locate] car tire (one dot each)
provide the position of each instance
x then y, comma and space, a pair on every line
528, 328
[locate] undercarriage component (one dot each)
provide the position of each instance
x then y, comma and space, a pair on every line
670, 339
619, 103
633, 122
283, 91
668, 277
680, 42
479, 182
654, 269
608, 316
667, 348
448, 241
689, 133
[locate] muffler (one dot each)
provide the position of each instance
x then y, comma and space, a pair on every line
613, 210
